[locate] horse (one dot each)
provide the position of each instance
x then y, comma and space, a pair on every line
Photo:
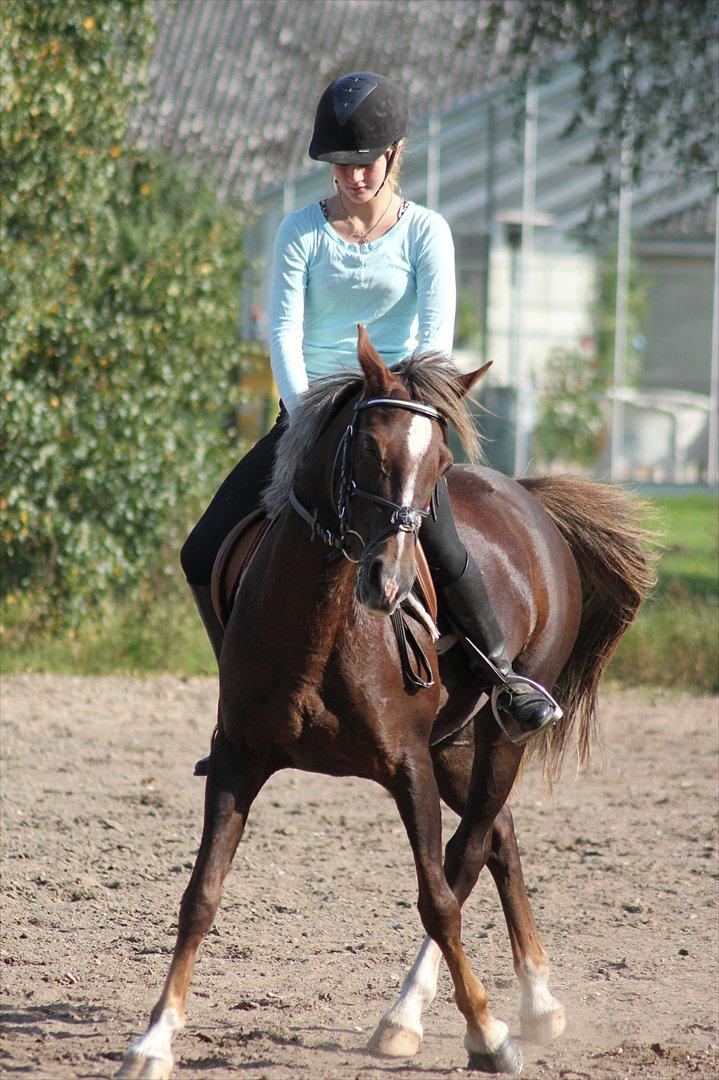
310, 676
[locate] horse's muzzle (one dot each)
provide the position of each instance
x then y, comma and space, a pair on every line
382, 585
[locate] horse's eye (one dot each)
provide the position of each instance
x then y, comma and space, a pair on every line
369, 445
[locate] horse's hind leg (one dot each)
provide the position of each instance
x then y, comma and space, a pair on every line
232, 785
488, 1041
541, 1015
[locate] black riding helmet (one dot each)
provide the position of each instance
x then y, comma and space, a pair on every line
359, 116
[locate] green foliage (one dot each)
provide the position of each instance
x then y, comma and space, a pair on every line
570, 426
648, 76
120, 283
673, 642
467, 327
604, 317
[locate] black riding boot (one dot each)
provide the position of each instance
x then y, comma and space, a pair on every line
203, 599
467, 604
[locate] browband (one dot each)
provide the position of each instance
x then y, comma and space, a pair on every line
397, 403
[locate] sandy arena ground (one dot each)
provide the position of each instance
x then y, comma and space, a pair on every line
101, 819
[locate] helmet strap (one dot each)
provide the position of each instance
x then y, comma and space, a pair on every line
388, 170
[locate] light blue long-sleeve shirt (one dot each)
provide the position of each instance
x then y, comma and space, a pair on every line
400, 287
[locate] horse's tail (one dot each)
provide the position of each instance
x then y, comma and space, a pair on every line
602, 526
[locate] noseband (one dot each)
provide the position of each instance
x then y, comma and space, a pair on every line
402, 519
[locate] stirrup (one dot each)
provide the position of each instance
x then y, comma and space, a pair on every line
517, 735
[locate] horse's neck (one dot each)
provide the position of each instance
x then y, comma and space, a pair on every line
311, 588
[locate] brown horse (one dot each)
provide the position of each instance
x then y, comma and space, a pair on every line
310, 676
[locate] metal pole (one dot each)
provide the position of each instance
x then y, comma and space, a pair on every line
624, 228
526, 252
712, 463
433, 134
288, 197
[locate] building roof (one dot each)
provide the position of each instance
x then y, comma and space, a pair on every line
697, 222
234, 83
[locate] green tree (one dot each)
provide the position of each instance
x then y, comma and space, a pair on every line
120, 289
649, 75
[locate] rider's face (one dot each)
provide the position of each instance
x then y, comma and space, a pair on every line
360, 183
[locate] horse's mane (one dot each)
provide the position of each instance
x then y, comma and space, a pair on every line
430, 378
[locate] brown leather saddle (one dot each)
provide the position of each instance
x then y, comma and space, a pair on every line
242, 544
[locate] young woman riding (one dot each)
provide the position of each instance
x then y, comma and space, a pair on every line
367, 256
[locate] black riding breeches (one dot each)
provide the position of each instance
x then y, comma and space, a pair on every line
240, 494
446, 554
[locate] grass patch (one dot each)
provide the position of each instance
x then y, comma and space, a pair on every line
674, 640
130, 638
672, 644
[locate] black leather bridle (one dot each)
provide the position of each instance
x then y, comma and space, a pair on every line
402, 519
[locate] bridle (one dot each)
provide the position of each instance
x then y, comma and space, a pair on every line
406, 519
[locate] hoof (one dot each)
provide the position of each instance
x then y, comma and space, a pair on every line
394, 1042
506, 1059
543, 1029
138, 1067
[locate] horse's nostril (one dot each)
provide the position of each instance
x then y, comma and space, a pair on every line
374, 576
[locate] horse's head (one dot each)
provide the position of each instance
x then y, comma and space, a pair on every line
397, 456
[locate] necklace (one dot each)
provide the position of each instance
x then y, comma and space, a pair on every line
363, 237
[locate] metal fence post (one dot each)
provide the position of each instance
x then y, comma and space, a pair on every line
712, 463
624, 227
526, 252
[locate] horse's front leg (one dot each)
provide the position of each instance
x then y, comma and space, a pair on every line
232, 784
541, 1015
488, 1041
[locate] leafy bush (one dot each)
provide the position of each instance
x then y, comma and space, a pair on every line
120, 283
569, 428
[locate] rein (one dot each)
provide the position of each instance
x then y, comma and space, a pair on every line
402, 519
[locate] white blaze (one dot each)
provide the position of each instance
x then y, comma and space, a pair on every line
419, 437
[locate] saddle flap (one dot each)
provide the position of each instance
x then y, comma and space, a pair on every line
232, 560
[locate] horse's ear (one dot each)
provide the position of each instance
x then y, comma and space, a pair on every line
470, 380
379, 380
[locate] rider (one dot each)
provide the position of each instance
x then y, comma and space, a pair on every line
363, 255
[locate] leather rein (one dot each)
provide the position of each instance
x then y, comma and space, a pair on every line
402, 519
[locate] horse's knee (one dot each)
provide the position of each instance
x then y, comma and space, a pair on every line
465, 855
504, 843
197, 908
439, 911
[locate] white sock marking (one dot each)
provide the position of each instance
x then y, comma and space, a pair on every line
536, 999
418, 990
157, 1040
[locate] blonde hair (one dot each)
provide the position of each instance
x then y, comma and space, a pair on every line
393, 178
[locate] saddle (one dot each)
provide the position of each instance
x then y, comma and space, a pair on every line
241, 546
